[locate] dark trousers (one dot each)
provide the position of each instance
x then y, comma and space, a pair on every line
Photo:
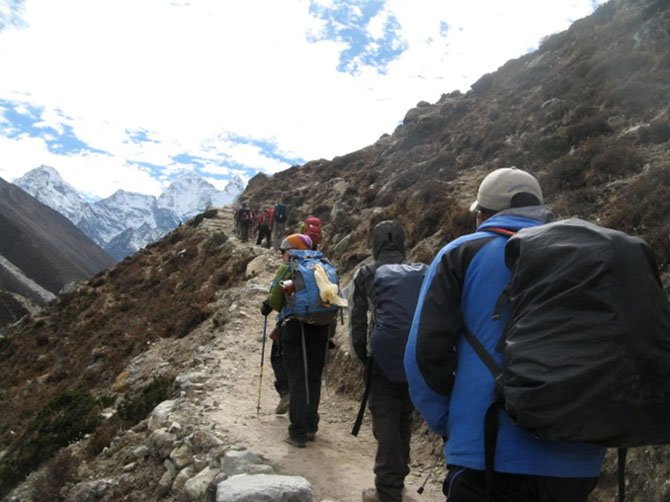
468, 485
277, 362
304, 417
245, 227
264, 233
278, 230
391, 409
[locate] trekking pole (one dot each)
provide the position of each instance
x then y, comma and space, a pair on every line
324, 381
364, 399
304, 362
430, 472
260, 379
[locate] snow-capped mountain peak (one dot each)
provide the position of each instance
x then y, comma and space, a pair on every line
46, 185
189, 195
125, 221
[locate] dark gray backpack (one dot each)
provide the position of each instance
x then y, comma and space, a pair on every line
396, 290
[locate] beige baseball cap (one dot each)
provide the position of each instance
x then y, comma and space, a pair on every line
497, 189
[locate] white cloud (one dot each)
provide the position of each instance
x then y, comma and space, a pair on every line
196, 73
93, 174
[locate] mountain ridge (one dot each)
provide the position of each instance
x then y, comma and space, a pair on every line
114, 222
43, 245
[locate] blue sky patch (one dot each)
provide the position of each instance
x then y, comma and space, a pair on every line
347, 22
184, 158
156, 171
140, 136
26, 120
268, 148
11, 15
444, 28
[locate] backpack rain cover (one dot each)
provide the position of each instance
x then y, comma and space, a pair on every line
587, 346
396, 290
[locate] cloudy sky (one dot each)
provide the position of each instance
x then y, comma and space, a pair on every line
128, 94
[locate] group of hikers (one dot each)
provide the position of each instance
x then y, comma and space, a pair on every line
438, 338
270, 223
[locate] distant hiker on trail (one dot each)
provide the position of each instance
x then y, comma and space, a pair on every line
303, 345
236, 222
265, 221
245, 218
279, 227
312, 228
389, 289
453, 389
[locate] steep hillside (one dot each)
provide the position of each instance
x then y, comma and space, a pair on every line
11, 309
43, 244
61, 368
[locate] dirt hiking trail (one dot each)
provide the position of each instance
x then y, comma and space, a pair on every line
337, 464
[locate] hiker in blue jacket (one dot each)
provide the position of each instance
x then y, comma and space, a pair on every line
450, 385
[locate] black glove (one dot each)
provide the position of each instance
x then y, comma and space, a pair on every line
265, 308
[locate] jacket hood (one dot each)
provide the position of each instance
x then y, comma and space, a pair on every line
388, 238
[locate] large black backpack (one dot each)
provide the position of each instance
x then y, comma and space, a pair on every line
586, 348
396, 292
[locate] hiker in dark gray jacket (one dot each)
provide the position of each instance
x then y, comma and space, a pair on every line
389, 402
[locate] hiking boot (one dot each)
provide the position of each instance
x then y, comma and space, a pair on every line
370, 495
298, 443
310, 436
282, 406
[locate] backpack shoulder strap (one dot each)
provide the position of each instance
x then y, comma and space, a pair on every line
500, 231
491, 418
503, 299
484, 355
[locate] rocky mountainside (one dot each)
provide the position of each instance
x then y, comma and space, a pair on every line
40, 250
125, 222
588, 113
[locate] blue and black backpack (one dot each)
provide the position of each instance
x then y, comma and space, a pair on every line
396, 292
306, 304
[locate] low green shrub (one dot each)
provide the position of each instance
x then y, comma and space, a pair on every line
136, 408
67, 418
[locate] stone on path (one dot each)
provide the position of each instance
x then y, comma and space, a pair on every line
264, 488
